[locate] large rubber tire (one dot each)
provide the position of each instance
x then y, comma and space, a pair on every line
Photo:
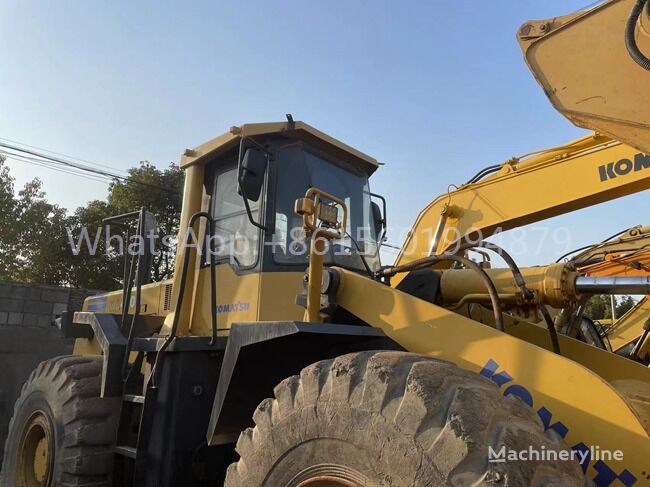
60, 420
392, 419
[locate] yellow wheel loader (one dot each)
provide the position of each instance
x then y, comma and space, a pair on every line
282, 353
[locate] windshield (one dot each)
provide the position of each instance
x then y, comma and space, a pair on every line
300, 170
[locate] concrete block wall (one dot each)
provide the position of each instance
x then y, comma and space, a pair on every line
32, 305
28, 336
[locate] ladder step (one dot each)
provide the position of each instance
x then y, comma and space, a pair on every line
133, 398
126, 451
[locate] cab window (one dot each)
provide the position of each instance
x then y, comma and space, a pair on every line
235, 239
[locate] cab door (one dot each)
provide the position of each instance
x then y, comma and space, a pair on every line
237, 244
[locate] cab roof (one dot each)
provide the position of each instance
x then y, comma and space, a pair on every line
206, 152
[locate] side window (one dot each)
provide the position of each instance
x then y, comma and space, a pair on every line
235, 237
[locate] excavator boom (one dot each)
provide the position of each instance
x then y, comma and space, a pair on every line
527, 189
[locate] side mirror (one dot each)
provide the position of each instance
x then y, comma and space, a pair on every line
251, 174
379, 222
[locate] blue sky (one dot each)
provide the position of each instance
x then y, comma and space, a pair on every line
436, 90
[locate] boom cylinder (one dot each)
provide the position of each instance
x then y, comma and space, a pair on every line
613, 285
556, 285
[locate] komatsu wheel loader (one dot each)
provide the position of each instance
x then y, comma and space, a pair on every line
283, 354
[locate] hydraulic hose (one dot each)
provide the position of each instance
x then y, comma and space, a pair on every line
552, 332
483, 173
519, 279
630, 30
470, 264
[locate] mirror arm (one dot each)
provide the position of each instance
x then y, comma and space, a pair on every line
250, 216
246, 203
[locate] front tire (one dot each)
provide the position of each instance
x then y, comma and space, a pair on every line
62, 433
392, 419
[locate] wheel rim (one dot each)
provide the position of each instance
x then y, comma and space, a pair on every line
35, 453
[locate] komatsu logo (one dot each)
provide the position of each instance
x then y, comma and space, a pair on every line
623, 167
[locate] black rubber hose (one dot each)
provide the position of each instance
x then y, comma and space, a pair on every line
521, 283
483, 173
630, 41
429, 261
555, 341
516, 272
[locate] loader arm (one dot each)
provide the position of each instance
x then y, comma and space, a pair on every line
569, 398
590, 170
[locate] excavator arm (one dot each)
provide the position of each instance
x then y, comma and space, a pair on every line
527, 189
593, 67
624, 254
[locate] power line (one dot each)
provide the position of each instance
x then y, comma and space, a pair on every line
44, 158
35, 162
63, 155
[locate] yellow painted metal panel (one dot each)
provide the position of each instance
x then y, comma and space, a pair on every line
582, 63
630, 326
237, 299
267, 296
555, 182
592, 411
299, 130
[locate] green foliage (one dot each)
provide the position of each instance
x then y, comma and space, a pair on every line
125, 196
600, 307
9, 235
625, 304
93, 270
35, 243
32, 241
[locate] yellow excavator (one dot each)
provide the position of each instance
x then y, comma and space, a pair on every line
283, 353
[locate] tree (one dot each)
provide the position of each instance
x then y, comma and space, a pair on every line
159, 192
36, 236
32, 243
92, 267
9, 233
600, 307
42, 247
625, 304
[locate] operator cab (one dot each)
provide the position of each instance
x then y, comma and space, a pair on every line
247, 182
253, 176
